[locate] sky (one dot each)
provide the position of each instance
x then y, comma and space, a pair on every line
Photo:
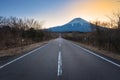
58, 12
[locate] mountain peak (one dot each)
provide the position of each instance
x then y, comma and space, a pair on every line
77, 21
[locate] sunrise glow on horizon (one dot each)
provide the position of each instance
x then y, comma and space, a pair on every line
55, 13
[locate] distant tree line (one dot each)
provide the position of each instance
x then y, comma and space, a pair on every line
106, 39
15, 32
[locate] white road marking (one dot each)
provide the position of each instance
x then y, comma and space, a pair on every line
59, 64
21, 57
118, 65
59, 73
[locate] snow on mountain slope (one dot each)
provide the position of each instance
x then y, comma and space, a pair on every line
77, 20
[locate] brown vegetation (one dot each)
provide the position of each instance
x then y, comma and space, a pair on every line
19, 50
103, 39
17, 32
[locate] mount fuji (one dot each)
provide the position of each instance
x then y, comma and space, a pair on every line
76, 25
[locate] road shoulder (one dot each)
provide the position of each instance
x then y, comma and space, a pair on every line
107, 54
9, 54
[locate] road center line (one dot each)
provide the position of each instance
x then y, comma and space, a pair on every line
118, 65
21, 56
59, 64
59, 73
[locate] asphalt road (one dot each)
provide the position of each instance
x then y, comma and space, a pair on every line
60, 60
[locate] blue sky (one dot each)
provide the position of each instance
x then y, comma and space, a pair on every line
43, 10
58, 12
24, 8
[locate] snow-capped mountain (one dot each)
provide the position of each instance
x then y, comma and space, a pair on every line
76, 25
77, 21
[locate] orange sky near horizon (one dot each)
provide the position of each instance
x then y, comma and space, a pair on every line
89, 10
95, 9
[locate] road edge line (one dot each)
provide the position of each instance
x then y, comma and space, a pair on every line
118, 65
4, 65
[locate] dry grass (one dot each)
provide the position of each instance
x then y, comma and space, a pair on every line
20, 50
107, 53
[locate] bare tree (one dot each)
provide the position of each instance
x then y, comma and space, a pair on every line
115, 20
